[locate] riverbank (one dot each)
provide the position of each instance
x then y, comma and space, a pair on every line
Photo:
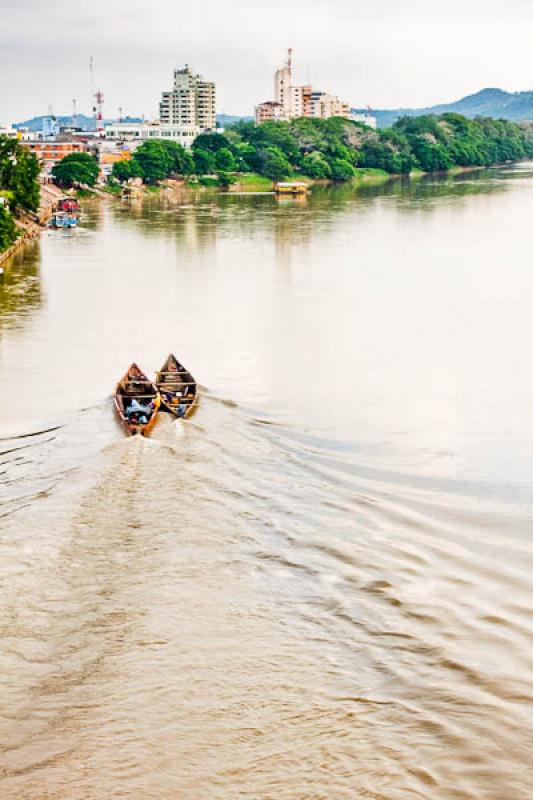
245, 182
31, 225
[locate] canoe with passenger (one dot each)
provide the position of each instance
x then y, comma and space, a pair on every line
177, 387
137, 401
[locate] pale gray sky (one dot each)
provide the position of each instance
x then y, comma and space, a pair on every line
384, 53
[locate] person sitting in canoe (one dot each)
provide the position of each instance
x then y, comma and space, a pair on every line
173, 400
139, 411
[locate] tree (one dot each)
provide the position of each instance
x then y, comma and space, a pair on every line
225, 160
272, 133
225, 180
213, 142
341, 170
309, 134
126, 169
159, 159
181, 161
204, 161
274, 165
8, 229
245, 156
76, 168
155, 160
315, 165
24, 185
19, 172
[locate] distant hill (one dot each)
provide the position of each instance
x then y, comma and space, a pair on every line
227, 119
515, 106
87, 123
81, 121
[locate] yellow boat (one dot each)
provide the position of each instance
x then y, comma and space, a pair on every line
295, 187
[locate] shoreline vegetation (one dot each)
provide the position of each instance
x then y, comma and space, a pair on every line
19, 195
250, 157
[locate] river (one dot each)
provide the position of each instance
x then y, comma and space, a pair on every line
317, 588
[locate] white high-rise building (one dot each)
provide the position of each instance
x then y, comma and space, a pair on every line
191, 101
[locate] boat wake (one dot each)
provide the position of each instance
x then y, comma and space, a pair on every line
224, 561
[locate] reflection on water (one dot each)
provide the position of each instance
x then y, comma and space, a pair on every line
20, 291
319, 586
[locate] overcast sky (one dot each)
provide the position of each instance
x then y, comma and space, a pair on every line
383, 53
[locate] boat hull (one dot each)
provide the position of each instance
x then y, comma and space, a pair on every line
177, 388
126, 393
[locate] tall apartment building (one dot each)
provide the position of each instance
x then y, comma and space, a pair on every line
283, 87
191, 101
298, 101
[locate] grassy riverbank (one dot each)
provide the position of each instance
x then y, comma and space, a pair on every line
251, 182
250, 157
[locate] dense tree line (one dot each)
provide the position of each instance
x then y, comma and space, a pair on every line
433, 143
19, 171
332, 149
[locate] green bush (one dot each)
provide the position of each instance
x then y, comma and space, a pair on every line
74, 169
273, 164
225, 180
8, 230
204, 161
316, 166
341, 170
124, 170
19, 172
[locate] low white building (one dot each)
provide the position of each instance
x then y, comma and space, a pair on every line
364, 117
22, 134
9, 132
145, 131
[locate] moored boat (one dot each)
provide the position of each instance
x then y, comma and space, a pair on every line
291, 188
137, 401
60, 219
177, 387
68, 204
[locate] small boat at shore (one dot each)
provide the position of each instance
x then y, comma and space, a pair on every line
137, 401
291, 188
177, 387
68, 204
62, 219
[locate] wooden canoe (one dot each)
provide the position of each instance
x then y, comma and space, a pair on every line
137, 401
177, 387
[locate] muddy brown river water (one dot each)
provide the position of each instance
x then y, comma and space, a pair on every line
318, 588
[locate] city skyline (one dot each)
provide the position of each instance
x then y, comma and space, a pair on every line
366, 56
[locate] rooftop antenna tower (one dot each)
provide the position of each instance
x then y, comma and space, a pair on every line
74, 114
120, 114
91, 86
99, 99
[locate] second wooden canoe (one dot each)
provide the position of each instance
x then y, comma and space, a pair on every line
177, 387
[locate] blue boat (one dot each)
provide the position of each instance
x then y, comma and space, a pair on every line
60, 219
